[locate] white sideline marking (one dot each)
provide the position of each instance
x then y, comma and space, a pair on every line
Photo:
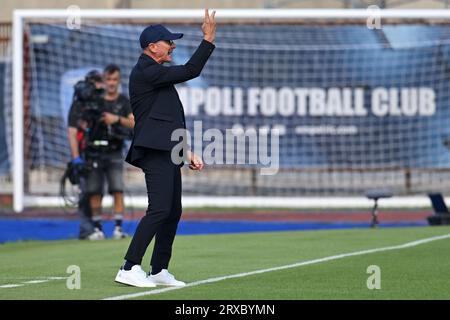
15, 285
11, 285
35, 281
289, 266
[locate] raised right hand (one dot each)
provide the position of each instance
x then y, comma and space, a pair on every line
209, 26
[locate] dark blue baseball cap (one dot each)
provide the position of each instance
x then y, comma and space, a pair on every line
155, 33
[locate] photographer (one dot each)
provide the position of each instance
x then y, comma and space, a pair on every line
99, 120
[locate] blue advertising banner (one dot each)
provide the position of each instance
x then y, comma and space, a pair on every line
338, 95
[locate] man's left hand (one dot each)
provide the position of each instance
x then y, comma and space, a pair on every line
195, 162
109, 118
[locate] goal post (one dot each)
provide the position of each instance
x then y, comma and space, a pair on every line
323, 168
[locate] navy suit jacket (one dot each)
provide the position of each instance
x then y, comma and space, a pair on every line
156, 106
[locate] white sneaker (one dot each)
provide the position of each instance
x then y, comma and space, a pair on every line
135, 277
166, 279
96, 235
100, 233
118, 233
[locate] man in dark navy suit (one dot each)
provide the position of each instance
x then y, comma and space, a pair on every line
158, 112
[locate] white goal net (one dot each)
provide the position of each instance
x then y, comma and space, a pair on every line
355, 108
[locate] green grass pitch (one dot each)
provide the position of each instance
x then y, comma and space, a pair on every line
419, 272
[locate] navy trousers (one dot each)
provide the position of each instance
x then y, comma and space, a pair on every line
163, 180
84, 212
